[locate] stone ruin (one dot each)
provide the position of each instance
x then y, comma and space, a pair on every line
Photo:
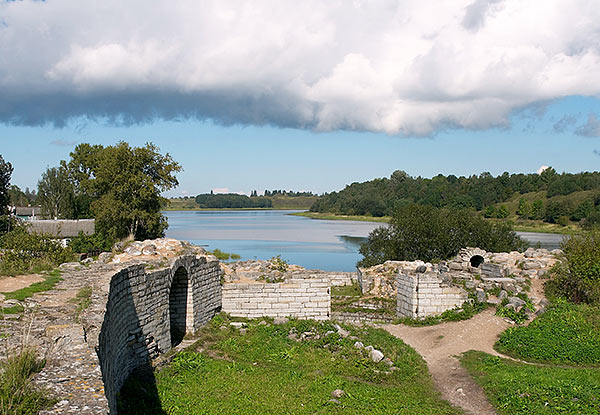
425, 289
147, 298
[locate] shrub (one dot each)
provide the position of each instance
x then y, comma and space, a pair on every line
83, 243
429, 234
576, 276
30, 252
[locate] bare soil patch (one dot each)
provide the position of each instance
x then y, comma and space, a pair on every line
8, 284
440, 344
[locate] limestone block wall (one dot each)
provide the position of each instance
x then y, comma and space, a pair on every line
299, 298
147, 313
424, 294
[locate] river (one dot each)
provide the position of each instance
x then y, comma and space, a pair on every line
330, 245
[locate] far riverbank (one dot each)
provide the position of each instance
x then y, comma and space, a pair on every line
528, 227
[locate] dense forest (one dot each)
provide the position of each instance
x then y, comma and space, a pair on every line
381, 197
232, 201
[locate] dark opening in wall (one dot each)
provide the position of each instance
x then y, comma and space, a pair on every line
178, 306
476, 261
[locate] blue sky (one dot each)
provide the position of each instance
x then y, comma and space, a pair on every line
251, 96
243, 158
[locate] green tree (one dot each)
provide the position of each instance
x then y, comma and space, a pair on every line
577, 276
502, 212
429, 233
490, 212
56, 193
537, 209
524, 210
124, 185
6, 170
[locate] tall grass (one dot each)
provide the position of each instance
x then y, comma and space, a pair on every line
18, 396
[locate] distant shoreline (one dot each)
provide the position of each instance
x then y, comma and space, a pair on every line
329, 216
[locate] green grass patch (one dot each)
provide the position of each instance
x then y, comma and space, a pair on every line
263, 371
330, 216
49, 282
346, 290
465, 312
17, 394
83, 299
566, 334
224, 256
516, 388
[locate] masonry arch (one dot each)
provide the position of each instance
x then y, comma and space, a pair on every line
476, 261
181, 308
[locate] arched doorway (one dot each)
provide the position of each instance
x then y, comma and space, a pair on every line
180, 306
476, 261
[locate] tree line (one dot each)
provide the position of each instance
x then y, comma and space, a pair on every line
381, 197
232, 201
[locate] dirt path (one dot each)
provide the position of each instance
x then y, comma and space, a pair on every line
8, 284
439, 345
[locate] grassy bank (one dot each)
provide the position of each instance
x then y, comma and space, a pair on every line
262, 369
520, 388
329, 216
566, 334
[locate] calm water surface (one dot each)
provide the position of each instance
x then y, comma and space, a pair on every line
330, 245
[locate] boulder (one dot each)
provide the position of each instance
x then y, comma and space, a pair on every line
480, 295
376, 355
516, 301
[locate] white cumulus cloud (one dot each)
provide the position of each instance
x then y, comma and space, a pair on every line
401, 67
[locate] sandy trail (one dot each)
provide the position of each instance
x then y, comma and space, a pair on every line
440, 344
8, 284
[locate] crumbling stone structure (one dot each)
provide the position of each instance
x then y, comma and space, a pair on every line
425, 294
147, 313
300, 298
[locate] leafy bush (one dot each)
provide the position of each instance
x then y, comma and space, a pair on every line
224, 255
577, 276
24, 252
278, 264
565, 334
430, 234
83, 243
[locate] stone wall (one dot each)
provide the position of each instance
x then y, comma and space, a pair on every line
425, 294
147, 313
62, 228
360, 318
300, 298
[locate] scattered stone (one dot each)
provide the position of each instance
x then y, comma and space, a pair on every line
343, 333
369, 348
527, 265
338, 393
469, 285
333, 401
149, 250
421, 269
376, 355
502, 295
516, 301
237, 324
388, 362
359, 345
263, 323
480, 295
280, 320
105, 257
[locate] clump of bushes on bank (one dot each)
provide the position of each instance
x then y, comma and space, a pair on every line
23, 252
432, 234
577, 276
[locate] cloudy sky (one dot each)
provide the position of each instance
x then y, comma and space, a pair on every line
304, 95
